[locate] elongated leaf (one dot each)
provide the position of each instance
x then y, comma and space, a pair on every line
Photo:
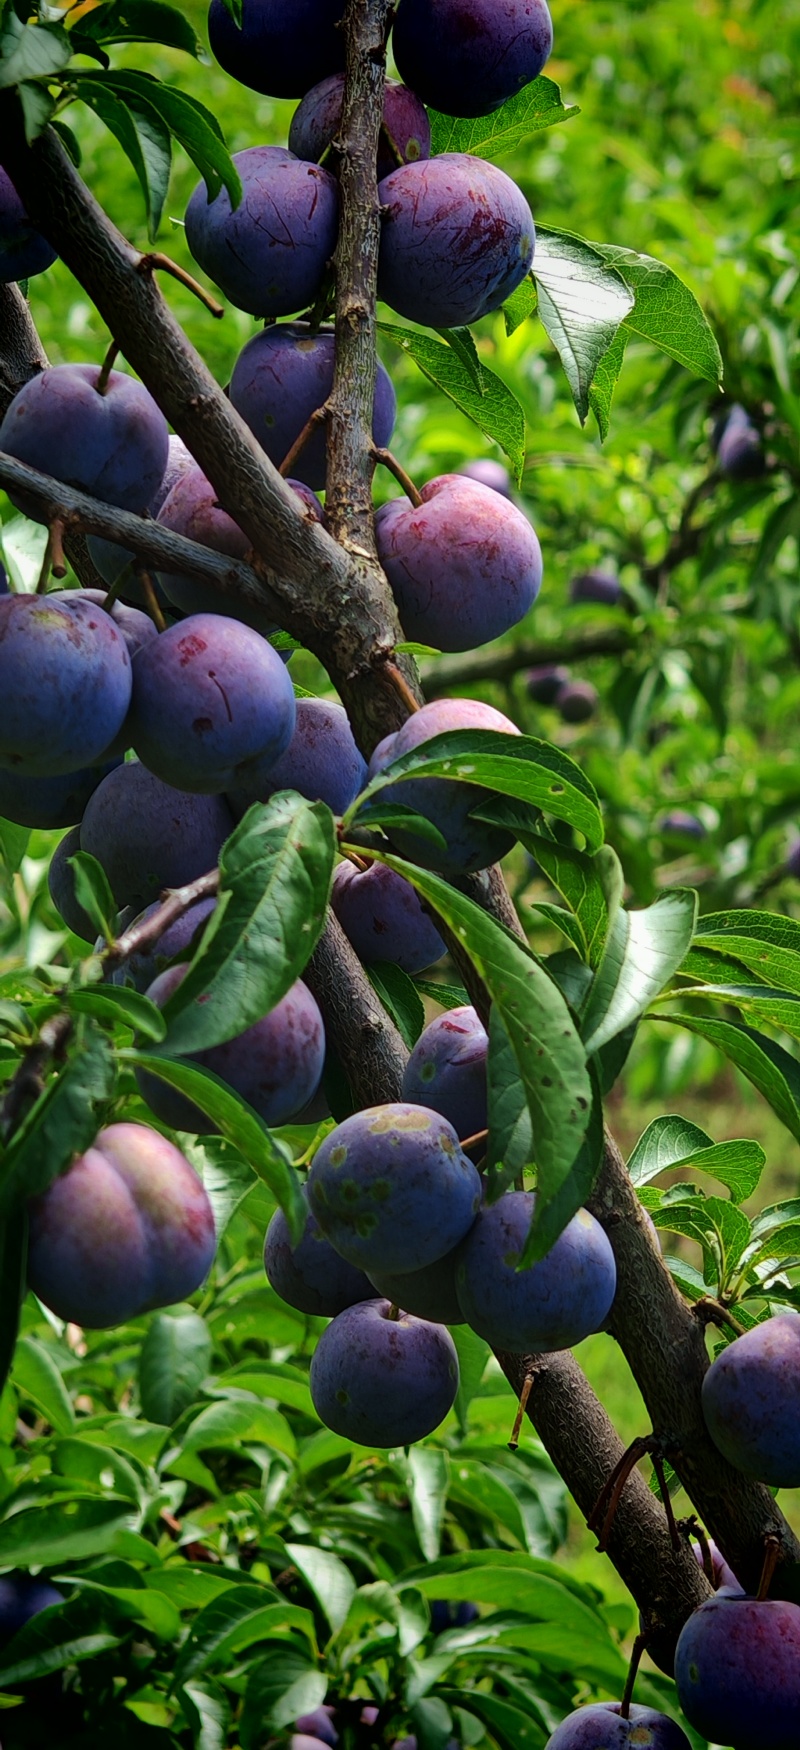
13, 1287
327, 1577
493, 407
666, 312
174, 1360
604, 381
144, 139
643, 949
674, 1142
64, 1119
194, 126
575, 1188
206, 1708
67, 1531
240, 1618
93, 893
575, 875
766, 1065
37, 1377
227, 1177
429, 1481
14, 841
758, 1002
280, 1687
513, 1728
538, 106
510, 1144
524, 302
582, 302
141, 21
226, 1424
24, 544
117, 1003
275, 876
721, 1229
62, 1635
30, 51
463, 345
400, 996
473, 1354
766, 942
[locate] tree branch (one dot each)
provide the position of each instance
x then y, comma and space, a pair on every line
449, 673
370, 1048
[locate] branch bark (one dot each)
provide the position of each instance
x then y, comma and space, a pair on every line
449, 673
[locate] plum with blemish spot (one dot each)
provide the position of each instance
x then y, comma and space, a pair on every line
549, 1305
268, 255
382, 1378
281, 377
447, 1070
65, 684
737, 1671
466, 57
601, 1726
457, 238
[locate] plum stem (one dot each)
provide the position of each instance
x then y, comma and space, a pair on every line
151, 599
772, 1552
155, 259
143, 933
701, 1534
605, 1507
387, 460
521, 1408
106, 368
402, 687
53, 556
709, 1311
637, 1650
318, 418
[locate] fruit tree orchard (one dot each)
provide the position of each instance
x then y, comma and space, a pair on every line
218, 1483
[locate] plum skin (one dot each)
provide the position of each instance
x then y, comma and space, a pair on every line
191, 508
429, 1293
383, 1381
128, 1227
24, 252
311, 1276
601, 1724
737, 1670
576, 701
316, 121
148, 835
321, 762
391, 1188
447, 1070
143, 966
466, 228
280, 378
65, 682
469, 844
22, 1597
267, 255
466, 57
383, 919
283, 47
751, 1401
113, 445
464, 566
552, 1304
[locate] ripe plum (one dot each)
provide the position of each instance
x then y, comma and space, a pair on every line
737, 1670
550, 1305
282, 47
467, 229
383, 918
466, 57
268, 255
382, 1378
316, 120
280, 378
751, 1401
601, 1725
321, 762
111, 442
311, 1275
193, 509
447, 1070
469, 844
23, 250
65, 682
148, 836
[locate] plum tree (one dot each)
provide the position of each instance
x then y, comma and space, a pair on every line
322, 762
737, 1669
126, 1228
148, 835
391, 1188
469, 231
467, 56
23, 250
549, 1305
488, 472
751, 1401
208, 696
602, 1726
465, 565
596, 586
22, 1597
429, 1293
268, 254
192, 509
282, 47
311, 1275
281, 377
65, 680
447, 1070
275, 1065
101, 433
406, 129
468, 844
383, 917
381, 1377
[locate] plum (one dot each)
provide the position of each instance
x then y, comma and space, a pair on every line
268, 255
545, 682
23, 250
126, 1228
149, 836
316, 120
275, 1065
550, 1305
136, 627
209, 695
383, 918
464, 566
596, 586
737, 445
319, 1724
111, 559
383, 1378
467, 229
466, 57
391, 1188
193, 509
321, 762
65, 682
111, 442
488, 472
722, 1575
446, 1613
429, 1293
51, 802
22, 1597
311, 1275
283, 47
576, 701
600, 1726
447, 1070
680, 824
469, 844
751, 1401
177, 940
737, 1670
280, 378
61, 884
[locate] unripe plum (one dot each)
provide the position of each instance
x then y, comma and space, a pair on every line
465, 565
751, 1401
193, 509
596, 586
311, 1275
322, 762
126, 1228
469, 844
275, 1065
447, 1070
391, 1188
268, 255
148, 836
316, 120
467, 229
382, 916
281, 377
466, 57
111, 559
488, 472
577, 701
429, 1293
382, 1379
111, 442
545, 682
209, 695
737, 1670
143, 966
738, 445
22, 1597
600, 1726
283, 46
65, 683
550, 1305
50, 802
23, 250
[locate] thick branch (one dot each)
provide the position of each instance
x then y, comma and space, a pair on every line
370, 1048
449, 673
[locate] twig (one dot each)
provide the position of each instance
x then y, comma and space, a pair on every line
387, 460
157, 260
145, 931
447, 674
639, 1645
26, 1083
315, 420
709, 1311
521, 1408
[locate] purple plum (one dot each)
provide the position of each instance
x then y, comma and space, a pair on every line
737, 1670
447, 1070
311, 1275
544, 683
488, 472
61, 885
280, 378
550, 1305
466, 57
722, 1574
391, 1188
429, 1293
149, 836
65, 683
446, 1613
792, 864
596, 586
136, 628
111, 442
22, 1597
600, 1726
111, 559
468, 230
737, 444
283, 47
24, 252
319, 1724
50, 802
383, 917
193, 509
465, 565
680, 824
126, 1228
177, 940
751, 1401
382, 1378
469, 844
316, 120
576, 701
268, 255
321, 762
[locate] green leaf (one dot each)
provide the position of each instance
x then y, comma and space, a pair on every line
31, 51
510, 1144
64, 1120
511, 1727
93, 893
208, 1713
582, 302
14, 842
224, 1425
13, 1286
665, 312
401, 997
144, 139
493, 407
572, 1193
538, 106
37, 1377
64, 1531
721, 1229
673, 1142
37, 108
193, 126
24, 544
237, 1619
279, 1688
120, 1005
463, 345
767, 943
384, 812
141, 21
448, 996
432, 1722
766, 1065
522, 304
62, 1635
275, 876
773, 1008
327, 1577
604, 381
643, 949
174, 1360
227, 1177
428, 1472
473, 1354
562, 920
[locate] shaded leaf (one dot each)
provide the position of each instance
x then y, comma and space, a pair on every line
118, 1004
429, 1478
666, 312
572, 1193
510, 1143
30, 51
538, 106
493, 407
327, 1577
400, 997
37, 1377
144, 139
66, 1531
64, 1119
174, 1360
642, 951
766, 1065
581, 305
279, 1688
